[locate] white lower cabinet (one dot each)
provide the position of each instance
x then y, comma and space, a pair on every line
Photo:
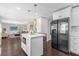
74, 45
37, 46
33, 45
23, 46
75, 50
28, 46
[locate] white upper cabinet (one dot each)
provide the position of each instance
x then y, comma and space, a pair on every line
66, 12
75, 17
42, 25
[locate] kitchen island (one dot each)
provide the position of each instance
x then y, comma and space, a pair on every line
32, 45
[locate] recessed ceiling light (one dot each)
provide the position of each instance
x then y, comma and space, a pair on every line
29, 10
18, 8
35, 5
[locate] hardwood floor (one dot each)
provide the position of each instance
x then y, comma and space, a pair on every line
12, 47
53, 52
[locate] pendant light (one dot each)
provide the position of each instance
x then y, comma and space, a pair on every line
35, 18
35, 11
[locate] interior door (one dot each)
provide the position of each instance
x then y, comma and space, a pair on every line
54, 34
63, 34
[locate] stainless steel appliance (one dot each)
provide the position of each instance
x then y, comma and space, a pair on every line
54, 34
60, 34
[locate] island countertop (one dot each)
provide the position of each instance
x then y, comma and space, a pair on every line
33, 35
32, 44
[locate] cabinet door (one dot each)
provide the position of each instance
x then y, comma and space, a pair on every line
56, 15
62, 13
23, 46
37, 46
42, 25
75, 17
75, 50
28, 46
74, 45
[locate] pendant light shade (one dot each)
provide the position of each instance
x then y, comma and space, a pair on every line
35, 11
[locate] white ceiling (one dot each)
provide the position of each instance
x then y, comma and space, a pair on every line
18, 12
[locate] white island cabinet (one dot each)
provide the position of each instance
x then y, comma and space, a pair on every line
32, 44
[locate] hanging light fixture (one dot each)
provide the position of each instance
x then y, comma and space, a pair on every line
35, 11
35, 18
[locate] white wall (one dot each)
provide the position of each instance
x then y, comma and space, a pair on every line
49, 21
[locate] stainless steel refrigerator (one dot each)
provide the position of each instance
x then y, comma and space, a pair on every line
54, 34
60, 34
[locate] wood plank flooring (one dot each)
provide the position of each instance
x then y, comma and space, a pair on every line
12, 47
53, 52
